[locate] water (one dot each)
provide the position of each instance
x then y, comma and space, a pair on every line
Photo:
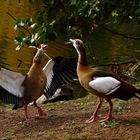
103, 47
21, 60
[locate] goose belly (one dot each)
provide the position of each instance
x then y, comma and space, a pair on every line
34, 85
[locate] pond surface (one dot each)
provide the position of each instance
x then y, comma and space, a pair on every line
102, 46
21, 60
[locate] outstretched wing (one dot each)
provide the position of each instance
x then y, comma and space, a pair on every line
60, 71
11, 90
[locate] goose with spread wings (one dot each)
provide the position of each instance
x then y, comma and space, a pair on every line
20, 90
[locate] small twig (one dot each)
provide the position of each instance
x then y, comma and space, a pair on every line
47, 55
20, 26
116, 33
118, 64
38, 49
28, 32
134, 67
20, 62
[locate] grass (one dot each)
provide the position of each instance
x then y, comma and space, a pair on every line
118, 106
6, 105
109, 124
83, 106
65, 121
137, 84
1, 103
131, 121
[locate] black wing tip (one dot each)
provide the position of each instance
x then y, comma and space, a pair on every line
17, 106
64, 71
8, 98
58, 59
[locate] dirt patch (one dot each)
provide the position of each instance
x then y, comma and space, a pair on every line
65, 121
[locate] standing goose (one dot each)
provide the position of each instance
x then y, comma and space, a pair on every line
20, 90
102, 84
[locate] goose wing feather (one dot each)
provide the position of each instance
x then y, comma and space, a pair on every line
11, 89
59, 71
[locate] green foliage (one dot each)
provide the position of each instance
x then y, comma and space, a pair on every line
33, 33
118, 106
132, 121
74, 18
137, 84
109, 124
83, 106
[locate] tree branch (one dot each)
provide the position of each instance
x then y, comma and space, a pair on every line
115, 32
20, 26
118, 64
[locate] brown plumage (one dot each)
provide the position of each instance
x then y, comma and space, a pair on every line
103, 84
34, 83
21, 90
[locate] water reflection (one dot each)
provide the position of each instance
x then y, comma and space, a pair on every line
21, 60
105, 48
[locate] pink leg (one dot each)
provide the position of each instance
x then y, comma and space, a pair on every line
109, 116
94, 115
40, 111
26, 114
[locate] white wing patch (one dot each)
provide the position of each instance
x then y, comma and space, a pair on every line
56, 94
105, 85
12, 82
48, 69
43, 98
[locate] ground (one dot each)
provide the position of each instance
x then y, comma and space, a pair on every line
65, 121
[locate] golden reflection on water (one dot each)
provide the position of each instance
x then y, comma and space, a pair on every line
23, 58
104, 46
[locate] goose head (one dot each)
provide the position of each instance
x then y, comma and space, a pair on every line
77, 43
40, 52
43, 47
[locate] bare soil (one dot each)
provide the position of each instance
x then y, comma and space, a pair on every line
65, 121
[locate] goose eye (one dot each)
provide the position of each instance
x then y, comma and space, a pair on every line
77, 43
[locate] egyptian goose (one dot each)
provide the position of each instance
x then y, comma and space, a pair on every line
103, 84
20, 90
